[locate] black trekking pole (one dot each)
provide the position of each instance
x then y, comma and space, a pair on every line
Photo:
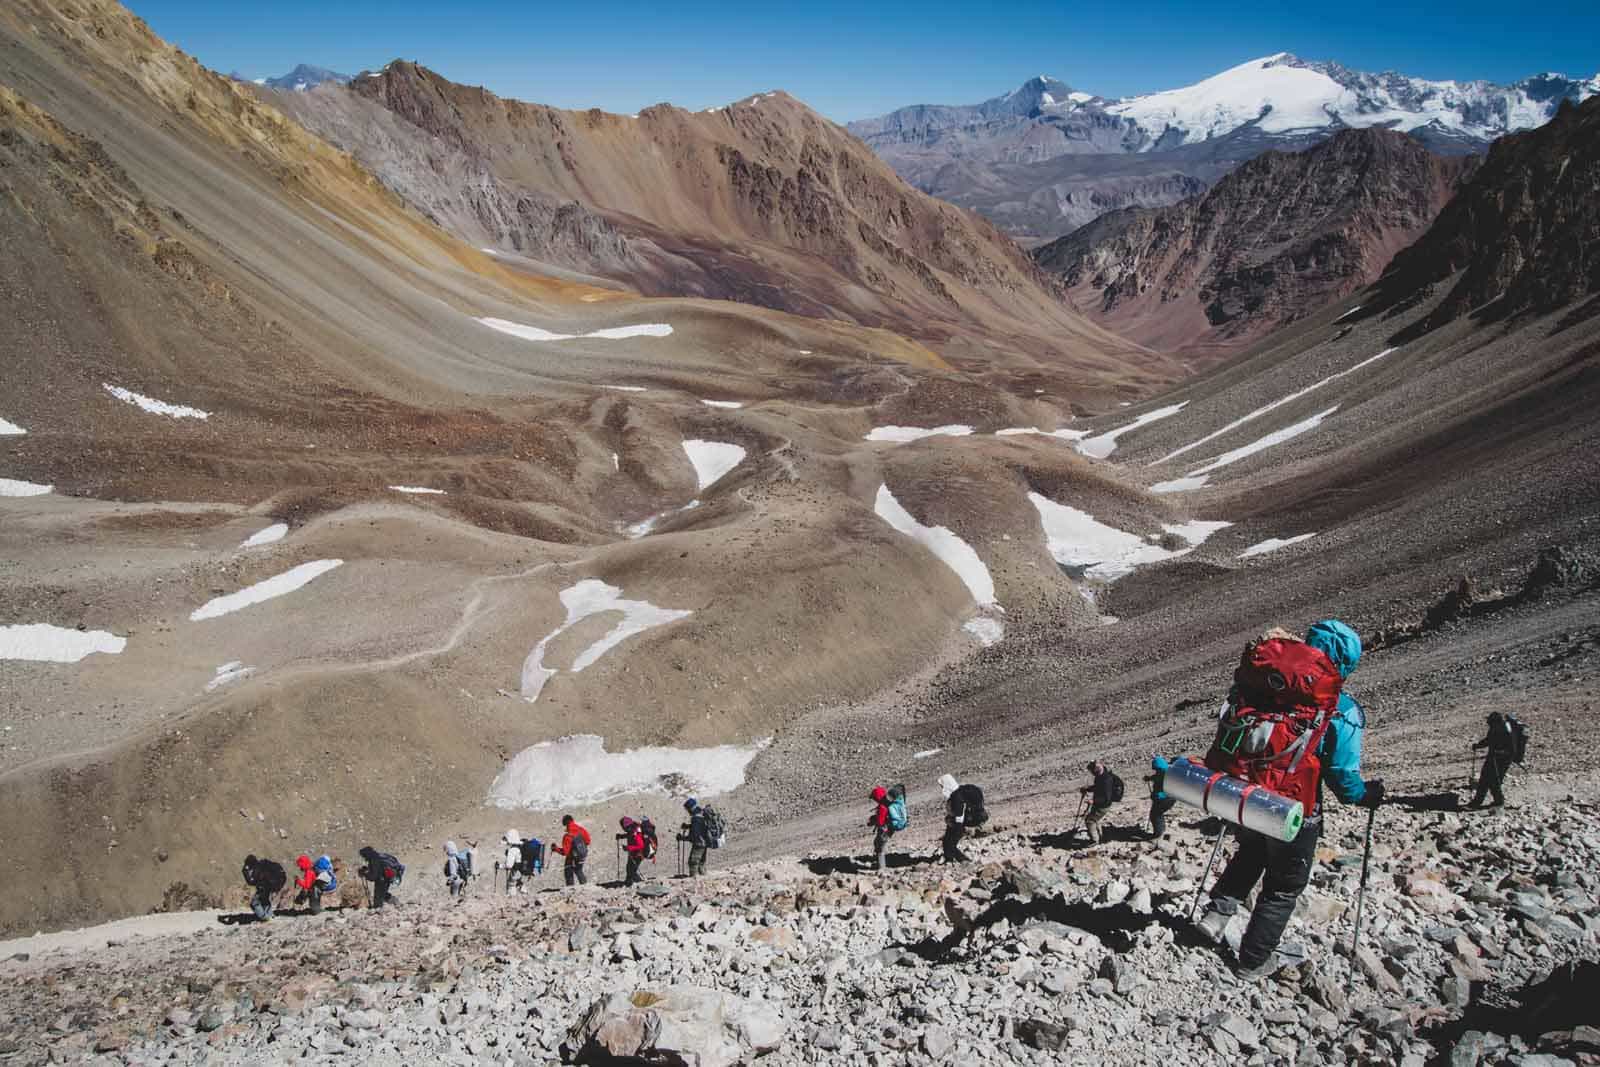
1361, 894
619, 861
1200, 889
1083, 806
1472, 775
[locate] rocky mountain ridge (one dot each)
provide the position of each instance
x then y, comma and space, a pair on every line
1008, 156
1285, 234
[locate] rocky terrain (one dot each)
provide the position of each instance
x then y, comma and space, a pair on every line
1045, 158
1274, 241
762, 201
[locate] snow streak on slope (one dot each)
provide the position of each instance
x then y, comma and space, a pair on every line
1265, 408
1078, 541
1272, 544
954, 552
614, 333
10, 429
1103, 445
227, 674
592, 597
276, 586
1277, 437
1063, 435
712, 459
417, 490
155, 407
272, 533
12, 487
732, 405
577, 771
44, 643
904, 434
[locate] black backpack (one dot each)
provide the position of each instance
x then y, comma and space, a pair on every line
1519, 738
974, 814
647, 830
391, 868
270, 876
1116, 787
532, 856
716, 829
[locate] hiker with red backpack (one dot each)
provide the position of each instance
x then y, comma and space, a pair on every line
633, 843
1105, 790
881, 824
1289, 728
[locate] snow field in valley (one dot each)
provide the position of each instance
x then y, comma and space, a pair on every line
613, 333
577, 771
712, 460
1078, 541
10, 429
593, 597
276, 586
1102, 445
44, 643
1064, 435
904, 434
12, 487
956, 554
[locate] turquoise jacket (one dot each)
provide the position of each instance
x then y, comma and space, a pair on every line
1158, 764
1341, 745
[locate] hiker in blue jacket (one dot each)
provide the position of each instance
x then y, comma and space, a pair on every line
1284, 868
1160, 802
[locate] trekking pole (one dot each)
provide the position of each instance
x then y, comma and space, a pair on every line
1361, 894
1200, 889
1083, 806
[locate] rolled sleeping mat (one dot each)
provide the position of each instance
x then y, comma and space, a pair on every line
1234, 800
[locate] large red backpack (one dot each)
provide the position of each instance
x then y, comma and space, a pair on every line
1284, 696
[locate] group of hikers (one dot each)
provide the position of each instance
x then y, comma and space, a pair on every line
1288, 726
522, 860
1288, 729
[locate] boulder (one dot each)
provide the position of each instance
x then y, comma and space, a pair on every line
678, 1024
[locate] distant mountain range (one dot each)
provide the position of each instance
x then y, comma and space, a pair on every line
1034, 160
303, 77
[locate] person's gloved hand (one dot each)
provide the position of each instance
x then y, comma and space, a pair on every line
1374, 794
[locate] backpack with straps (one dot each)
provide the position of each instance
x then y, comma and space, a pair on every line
647, 830
325, 875
532, 861
1117, 788
716, 829
899, 816
1284, 697
1519, 737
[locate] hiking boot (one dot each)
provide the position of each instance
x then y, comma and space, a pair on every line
1257, 972
1212, 924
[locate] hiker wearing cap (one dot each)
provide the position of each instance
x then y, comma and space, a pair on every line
1104, 791
963, 811
574, 849
697, 835
1160, 802
1284, 867
1496, 762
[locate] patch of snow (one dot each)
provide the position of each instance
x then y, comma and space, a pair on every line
926, 753
490, 251
592, 597
276, 586
1352, 311
734, 404
155, 407
577, 771
954, 552
10, 429
12, 487
417, 489
612, 333
1272, 544
712, 460
1078, 541
1265, 408
903, 434
43, 643
272, 533
1276, 437
625, 388
1102, 446
263, 81
1080, 98
644, 527
1064, 435
227, 674
616, 462
1276, 97
1181, 485
987, 630
1046, 99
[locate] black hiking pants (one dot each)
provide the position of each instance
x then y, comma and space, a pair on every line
1490, 779
953, 833
1158, 816
574, 873
634, 859
1283, 868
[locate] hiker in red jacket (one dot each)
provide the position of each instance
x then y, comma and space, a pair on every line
881, 830
633, 843
574, 848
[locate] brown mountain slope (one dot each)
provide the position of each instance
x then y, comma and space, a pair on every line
763, 201
1278, 238
1524, 232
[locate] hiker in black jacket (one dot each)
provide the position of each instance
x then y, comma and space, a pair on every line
963, 811
267, 879
1103, 794
698, 836
1496, 762
383, 871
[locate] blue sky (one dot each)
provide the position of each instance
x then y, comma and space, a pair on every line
853, 59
